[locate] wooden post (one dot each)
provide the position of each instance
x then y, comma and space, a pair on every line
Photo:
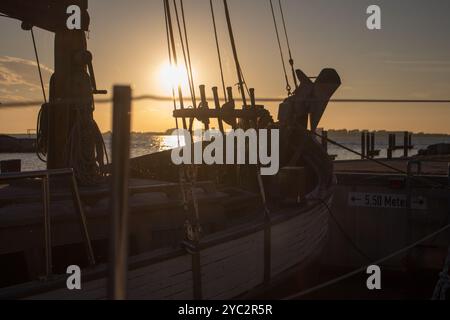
406, 144
70, 69
204, 104
117, 285
253, 106
230, 94
394, 142
363, 145
390, 147
47, 226
448, 193
325, 140
372, 145
217, 105
368, 145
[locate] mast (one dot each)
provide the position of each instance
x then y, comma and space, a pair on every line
70, 81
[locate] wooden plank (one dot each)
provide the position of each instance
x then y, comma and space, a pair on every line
295, 241
222, 261
228, 268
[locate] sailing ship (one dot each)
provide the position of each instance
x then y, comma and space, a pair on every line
195, 232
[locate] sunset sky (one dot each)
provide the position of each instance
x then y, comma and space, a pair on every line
408, 59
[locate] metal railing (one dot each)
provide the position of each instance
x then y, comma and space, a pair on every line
44, 176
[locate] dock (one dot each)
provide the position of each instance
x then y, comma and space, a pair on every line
432, 166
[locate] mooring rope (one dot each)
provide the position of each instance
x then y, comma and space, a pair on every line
364, 268
342, 230
421, 179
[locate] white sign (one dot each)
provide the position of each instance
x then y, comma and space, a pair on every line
387, 201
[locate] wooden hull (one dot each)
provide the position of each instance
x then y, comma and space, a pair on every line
223, 266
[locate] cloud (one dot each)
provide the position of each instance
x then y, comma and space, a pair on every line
19, 79
420, 62
439, 66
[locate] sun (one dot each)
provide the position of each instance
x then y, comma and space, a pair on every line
171, 76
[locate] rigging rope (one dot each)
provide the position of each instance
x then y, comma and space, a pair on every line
235, 55
39, 134
38, 65
194, 98
174, 53
342, 230
218, 48
155, 97
288, 85
183, 175
171, 64
291, 60
186, 63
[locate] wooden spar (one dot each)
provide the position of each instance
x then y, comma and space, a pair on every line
175, 59
224, 114
217, 105
204, 106
236, 59
253, 106
117, 285
47, 15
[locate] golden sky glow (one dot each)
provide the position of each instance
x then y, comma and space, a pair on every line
408, 59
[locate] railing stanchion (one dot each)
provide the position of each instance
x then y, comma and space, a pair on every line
82, 218
47, 226
117, 284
